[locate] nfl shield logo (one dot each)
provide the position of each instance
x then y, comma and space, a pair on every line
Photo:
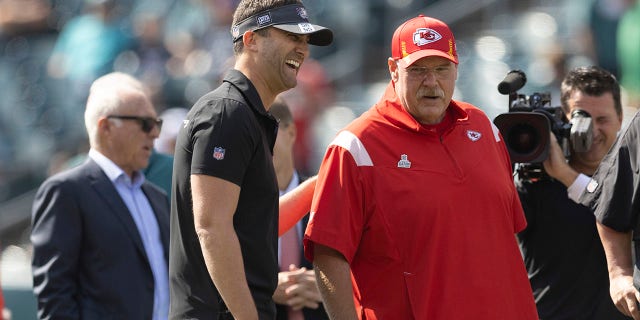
218, 153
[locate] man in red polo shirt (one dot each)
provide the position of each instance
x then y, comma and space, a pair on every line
415, 211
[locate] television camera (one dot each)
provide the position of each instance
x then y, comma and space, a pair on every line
526, 127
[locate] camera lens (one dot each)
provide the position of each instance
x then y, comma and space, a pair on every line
523, 139
526, 135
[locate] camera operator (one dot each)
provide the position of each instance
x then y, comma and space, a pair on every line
561, 248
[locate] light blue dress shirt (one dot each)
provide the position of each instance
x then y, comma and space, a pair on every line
295, 181
147, 226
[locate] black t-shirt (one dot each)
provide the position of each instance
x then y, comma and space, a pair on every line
229, 135
563, 255
613, 191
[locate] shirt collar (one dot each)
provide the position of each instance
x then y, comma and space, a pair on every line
113, 171
244, 86
248, 90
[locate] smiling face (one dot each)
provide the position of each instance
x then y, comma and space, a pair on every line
283, 54
596, 91
606, 123
425, 88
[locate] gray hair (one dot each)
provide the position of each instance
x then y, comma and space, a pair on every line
105, 98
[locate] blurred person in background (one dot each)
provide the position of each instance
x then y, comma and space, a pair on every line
415, 212
88, 46
312, 96
225, 216
628, 52
159, 171
214, 41
160, 168
297, 295
150, 56
172, 119
604, 18
26, 36
561, 248
99, 231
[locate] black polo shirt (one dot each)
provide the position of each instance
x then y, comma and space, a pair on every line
229, 135
613, 191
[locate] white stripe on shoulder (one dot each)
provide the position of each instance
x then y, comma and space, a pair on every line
496, 131
351, 143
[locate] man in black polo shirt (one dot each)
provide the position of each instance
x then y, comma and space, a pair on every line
224, 182
613, 195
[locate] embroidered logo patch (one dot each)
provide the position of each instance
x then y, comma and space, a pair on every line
306, 27
404, 162
424, 36
264, 19
302, 13
473, 135
218, 153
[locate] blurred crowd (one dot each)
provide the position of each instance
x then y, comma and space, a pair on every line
51, 51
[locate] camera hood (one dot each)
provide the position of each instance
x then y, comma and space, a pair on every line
526, 135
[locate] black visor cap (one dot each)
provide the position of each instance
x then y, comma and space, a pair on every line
290, 18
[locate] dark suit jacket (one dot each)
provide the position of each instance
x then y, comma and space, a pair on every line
88, 259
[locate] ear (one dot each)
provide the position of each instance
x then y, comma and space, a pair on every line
393, 69
249, 39
456, 67
104, 126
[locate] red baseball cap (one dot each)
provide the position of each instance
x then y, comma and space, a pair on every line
423, 37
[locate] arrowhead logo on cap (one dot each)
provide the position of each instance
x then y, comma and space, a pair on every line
425, 36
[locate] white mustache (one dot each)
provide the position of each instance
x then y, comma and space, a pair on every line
431, 93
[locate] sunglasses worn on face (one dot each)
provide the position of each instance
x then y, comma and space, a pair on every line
147, 123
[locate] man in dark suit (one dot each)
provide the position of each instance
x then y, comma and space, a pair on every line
100, 231
297, 295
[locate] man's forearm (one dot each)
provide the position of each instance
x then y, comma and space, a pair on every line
296, 204
333, 276
223, 257
617, 248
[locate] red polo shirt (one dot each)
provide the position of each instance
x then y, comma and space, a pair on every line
425, 220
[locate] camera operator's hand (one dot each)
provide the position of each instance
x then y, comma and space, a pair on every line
556, 165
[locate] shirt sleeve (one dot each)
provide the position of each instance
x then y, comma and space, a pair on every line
575, 189
337, 211
612, 192
224, 140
